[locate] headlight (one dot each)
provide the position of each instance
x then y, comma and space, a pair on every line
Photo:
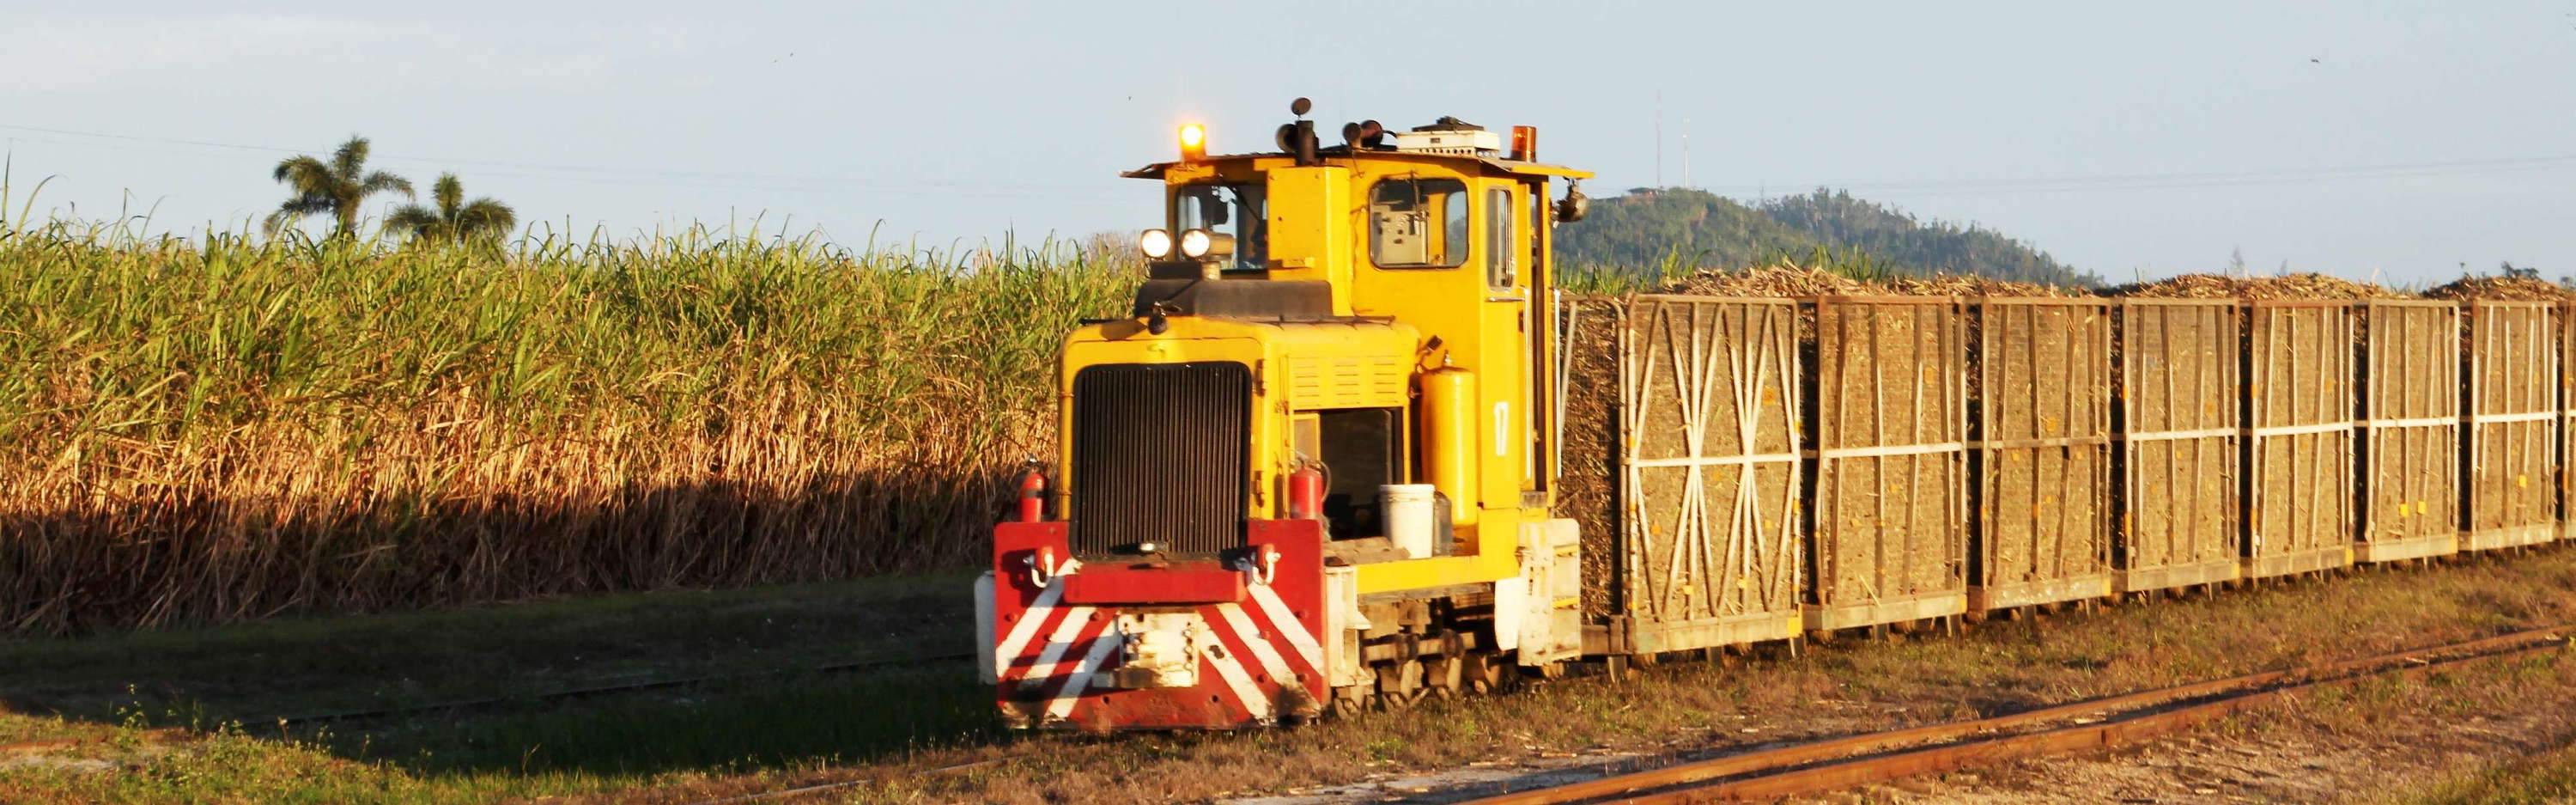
1200, 244
1156, 243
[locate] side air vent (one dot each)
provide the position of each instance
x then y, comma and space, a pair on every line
1161, 455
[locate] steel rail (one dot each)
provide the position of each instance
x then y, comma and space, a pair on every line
2127, 728
602, 690
2138, 718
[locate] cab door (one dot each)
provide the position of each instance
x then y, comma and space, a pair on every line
1512, 460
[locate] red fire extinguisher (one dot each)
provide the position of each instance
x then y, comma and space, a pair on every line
1033, 489
1306, 493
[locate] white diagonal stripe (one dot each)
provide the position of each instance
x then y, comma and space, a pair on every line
1036, 672
1018, 640
1061, 707
1241, 682
1251, 636
1027, 628
1286, 624
1062, 640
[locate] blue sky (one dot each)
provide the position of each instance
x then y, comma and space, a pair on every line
2386, 140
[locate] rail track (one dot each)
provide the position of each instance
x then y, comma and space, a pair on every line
604, 690
1875, 757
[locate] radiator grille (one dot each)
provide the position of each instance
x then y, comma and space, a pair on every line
1160, 455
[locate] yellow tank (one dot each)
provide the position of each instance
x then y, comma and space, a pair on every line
1448, 428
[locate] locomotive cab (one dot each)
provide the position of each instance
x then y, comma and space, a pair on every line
1310, 468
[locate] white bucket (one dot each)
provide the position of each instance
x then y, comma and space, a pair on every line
1408, 512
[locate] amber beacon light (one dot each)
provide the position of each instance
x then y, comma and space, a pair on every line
1193, 142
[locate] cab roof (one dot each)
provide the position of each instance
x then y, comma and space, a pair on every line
1343, 152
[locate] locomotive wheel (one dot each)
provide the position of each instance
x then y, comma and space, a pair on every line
1349, 700
1487, 672
1399, 684
1445, 675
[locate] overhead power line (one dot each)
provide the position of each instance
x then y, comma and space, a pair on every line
2157, 181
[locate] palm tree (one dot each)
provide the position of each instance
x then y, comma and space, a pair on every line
456, 220
337, 187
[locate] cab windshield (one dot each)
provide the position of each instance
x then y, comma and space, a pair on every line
1228, 209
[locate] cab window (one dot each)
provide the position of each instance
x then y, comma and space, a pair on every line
1418, 223
1502, 268
1239, 210
1537, 224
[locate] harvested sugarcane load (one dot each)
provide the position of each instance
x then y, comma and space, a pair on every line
1686, 413
1680, 456
2512, 332
1752, 452
1681, 462
1890, 536
2040, 429
2285, 286
2176, 512
2518, 289
2301, 345
2299, 449
2409, 429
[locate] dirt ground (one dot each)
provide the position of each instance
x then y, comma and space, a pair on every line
2370, 741
2291, 757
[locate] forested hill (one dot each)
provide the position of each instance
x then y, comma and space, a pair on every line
1709, 231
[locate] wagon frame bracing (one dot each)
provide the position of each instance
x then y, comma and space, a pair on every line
2512, 412
2178, 514
2410, 426
1888, 502
1706, 551
2042, 452
2299, 457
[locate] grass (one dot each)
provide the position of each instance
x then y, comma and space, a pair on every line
2540, 779
684, 745
231, 427
256, 672
222, 685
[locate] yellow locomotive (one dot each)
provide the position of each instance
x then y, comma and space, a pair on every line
1310, 470
1320, 463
